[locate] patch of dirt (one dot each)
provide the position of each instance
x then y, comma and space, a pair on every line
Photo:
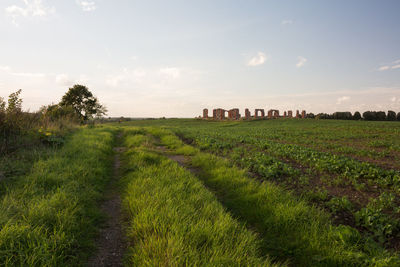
111, 243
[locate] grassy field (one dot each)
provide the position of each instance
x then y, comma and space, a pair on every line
259, 193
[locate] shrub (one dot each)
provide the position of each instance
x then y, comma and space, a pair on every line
391, 115
357, 116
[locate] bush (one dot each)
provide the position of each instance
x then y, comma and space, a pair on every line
391, 115
323, 116
357, 116
19, 128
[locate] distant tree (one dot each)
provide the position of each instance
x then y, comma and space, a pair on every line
398, 116
342, 115
369, 115
391, 115
357, 116
381, 115
83, 102
310, 116
323, 116
374, 116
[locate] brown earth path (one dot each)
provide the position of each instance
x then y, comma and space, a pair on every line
111, 243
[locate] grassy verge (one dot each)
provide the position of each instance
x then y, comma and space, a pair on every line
290, 228
49, 216
174, 220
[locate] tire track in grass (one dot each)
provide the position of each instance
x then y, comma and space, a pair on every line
174, 219
111, 243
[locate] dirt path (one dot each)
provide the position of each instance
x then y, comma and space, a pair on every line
111, 242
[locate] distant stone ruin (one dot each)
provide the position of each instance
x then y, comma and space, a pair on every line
259, 113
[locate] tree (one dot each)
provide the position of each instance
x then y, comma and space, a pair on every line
357, 116
310, 116
391, 115
398, 116
83, 102
342, 115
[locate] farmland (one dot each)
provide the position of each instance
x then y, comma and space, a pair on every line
282, 192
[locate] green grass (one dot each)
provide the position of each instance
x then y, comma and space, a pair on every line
175, 221
49, 217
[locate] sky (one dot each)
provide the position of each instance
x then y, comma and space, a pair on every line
173, 58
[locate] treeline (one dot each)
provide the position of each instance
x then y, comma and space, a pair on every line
367, 115
20, 128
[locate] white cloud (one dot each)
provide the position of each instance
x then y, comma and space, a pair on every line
29, 74
392, 66
63, 80
31, 8
126, 76
257, 60
342, 99
393, 99
5, 68
384, 68
87, 5
114, 80
173, 73
287, 22
301, 61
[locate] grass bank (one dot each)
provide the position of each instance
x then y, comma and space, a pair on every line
49, 216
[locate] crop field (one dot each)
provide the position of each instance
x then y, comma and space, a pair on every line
282, 192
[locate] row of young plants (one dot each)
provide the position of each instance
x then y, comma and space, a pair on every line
173, 220
49, 217
290, 227
263, 158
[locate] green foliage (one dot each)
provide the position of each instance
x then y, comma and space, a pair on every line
83, 102
357, 116
374, 115
336, 204
391, 115
342, 116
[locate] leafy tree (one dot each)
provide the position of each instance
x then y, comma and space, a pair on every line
83, 102
342, 115
357, 116
380, 115
310, 116
398, 116
14, 102
391, 115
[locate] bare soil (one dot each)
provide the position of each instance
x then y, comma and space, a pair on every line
111, 243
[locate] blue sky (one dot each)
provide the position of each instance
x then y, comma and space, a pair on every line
174, 58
